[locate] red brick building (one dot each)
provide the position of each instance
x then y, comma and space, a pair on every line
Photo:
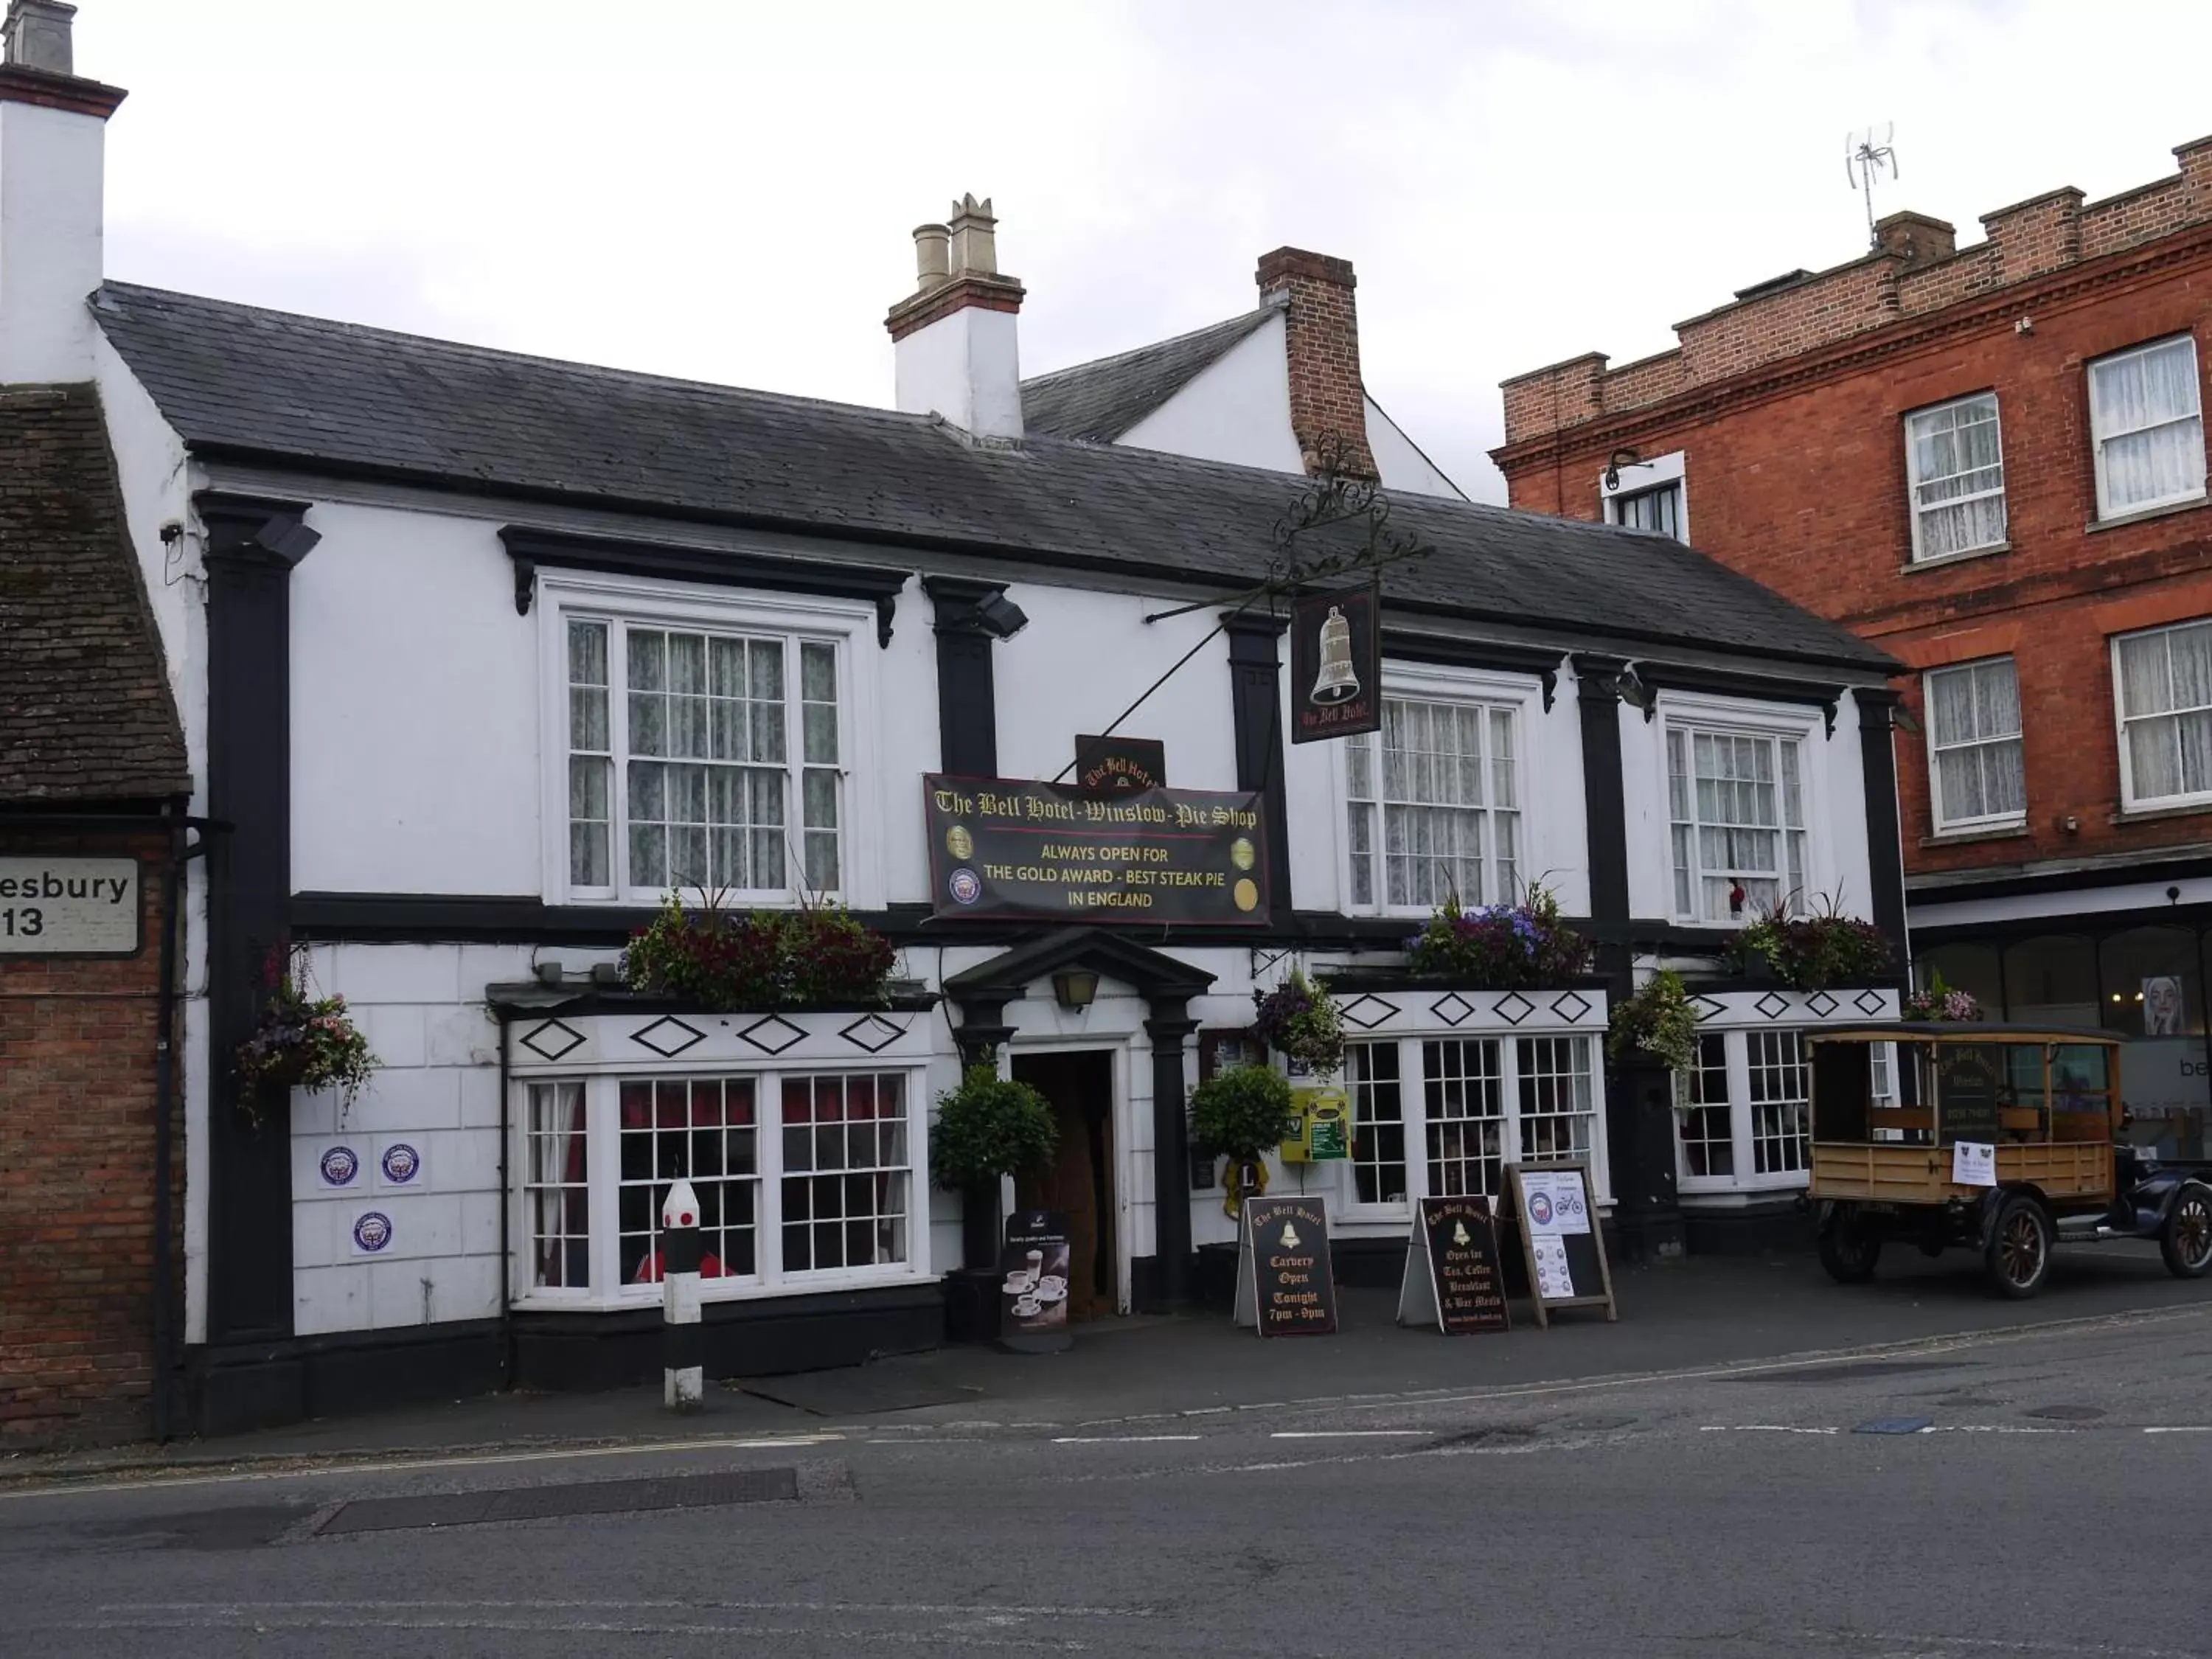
1989, 461
93, 787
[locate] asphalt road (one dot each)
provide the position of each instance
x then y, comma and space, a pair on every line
2036, 1494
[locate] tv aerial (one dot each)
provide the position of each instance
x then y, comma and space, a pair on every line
1866, 153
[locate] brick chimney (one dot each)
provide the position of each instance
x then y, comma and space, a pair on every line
1328, 405
1915, 239
958, 355
53, 127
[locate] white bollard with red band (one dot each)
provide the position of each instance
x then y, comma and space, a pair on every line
682, 1344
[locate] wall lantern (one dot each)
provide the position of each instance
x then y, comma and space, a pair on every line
1618, 459
1074, 987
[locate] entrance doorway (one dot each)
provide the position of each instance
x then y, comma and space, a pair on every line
1079, 1183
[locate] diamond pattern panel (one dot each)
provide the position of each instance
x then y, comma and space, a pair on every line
872, 1033
552, 1039
1708, 1008
1367, 1011
773, 1034
1822, 1003
668, 1036
1571, 1007
1513, 1008
1868, 1002
1773, 1005
1454, 1010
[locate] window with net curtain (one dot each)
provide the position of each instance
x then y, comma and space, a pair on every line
702, 761
2147, 422
1737, 803
1974, 744
1956, 463
2164, 679
1434, 807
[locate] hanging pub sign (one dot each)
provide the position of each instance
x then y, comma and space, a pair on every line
1285, 1282
1111, 765
1336, 664
1558, 1216
1003, 847
1453, 1272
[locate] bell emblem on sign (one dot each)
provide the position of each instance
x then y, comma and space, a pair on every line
1459, 1236
1291, 1240
1337, 679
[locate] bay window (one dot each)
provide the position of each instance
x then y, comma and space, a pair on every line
1444, 1115
1736, 812
805, 1180
1434, 807
1743, 1112
1976, 776
2147, 424
1954, 462
2162, 685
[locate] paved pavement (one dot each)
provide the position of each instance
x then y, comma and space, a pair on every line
1706, 1312
1967, 1491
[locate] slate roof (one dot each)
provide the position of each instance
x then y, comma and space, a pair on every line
85, 713
242, 384
1101, 400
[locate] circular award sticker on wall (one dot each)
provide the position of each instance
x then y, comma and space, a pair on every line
340, 1164
401, 1164
372, 1231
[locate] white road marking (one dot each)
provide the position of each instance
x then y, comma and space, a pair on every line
1354, 1434
1759, 1428
1119, 1439
249, 1609
1930, 1428
2183, 1428
263, 1623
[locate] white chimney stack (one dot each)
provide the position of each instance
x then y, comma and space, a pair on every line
956, 336
53, 128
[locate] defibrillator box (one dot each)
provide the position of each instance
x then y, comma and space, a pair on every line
1324, 1132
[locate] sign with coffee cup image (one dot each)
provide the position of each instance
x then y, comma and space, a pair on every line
1033, 1272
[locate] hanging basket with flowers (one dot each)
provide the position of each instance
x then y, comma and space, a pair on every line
301, 1041
1500, 947
1298, 1018
1811, 953
1657, 1019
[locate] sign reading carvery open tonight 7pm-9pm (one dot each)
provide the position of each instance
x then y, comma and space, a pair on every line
1004, 847
69, 907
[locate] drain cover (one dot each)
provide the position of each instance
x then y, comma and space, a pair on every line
466, 1508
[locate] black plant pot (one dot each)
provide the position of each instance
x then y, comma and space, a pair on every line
1217, 1276
972, 1305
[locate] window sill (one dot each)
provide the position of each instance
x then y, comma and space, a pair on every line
2187, 808
2144, 514
1942, 559
1979, 832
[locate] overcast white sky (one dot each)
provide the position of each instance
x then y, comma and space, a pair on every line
724, 189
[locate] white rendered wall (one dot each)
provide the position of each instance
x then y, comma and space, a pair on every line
1236, 410
1400, 464
50, 242
966, 367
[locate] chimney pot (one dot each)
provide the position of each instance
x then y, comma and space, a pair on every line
974, 240
931, 243
37, 34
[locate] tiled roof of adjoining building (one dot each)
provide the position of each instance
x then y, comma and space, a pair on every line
1101, 400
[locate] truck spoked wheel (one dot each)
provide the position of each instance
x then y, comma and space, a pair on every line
1849, 1252
2186, 1241
2018, 1254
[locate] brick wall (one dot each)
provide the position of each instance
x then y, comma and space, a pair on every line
1328, 405
1900, 281
1800, 481
77, 1095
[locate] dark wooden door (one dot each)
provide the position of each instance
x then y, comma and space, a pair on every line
1079, 1183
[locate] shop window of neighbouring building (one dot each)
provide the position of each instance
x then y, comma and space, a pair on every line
1955, 464
2147, 422
805, 1181
1438, 1117
2162, 682
1737, 819
1975, 773
1433, 805
702, 747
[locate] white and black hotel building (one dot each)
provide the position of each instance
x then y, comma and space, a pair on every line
427, 610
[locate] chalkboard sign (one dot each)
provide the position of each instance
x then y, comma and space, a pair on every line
1033, 1282
1453, 1274
1557, 1213
1968, 1077
1285, 1282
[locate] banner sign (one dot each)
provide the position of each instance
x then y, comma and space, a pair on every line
1453, 1272
1557, 1213
1285, 1282
69, 907
1336, 665
1001, 847
1110, 766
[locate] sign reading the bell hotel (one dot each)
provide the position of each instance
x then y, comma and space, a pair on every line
69, 907
1336, 665
1001, 847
